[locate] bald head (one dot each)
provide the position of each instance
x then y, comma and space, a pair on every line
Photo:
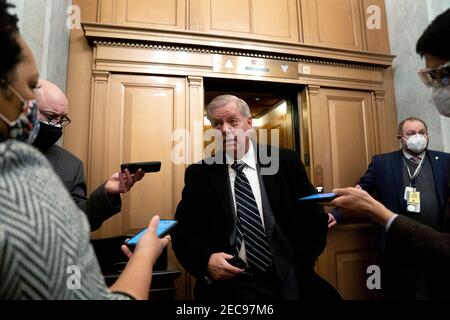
52, 102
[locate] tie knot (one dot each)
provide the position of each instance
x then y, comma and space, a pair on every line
416, 159
238, 166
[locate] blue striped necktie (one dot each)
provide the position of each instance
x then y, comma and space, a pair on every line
249, 224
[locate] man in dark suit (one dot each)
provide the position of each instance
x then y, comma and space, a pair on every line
105, 201
413, 182
409, 240
214, 225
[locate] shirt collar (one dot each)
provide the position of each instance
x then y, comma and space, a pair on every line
409, 156
249, 158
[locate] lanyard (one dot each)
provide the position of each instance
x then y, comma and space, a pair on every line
416, 173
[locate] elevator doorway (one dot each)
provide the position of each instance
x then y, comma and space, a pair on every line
273, 106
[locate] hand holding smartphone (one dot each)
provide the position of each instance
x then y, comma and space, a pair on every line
237, 262
164, 228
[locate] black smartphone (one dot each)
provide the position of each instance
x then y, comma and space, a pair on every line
164, 228
151, 166
237, 262
319, 197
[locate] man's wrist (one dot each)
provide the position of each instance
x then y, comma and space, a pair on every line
381, 215
113, 199
391, 220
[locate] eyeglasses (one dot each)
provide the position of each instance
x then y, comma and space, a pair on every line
436, 77
56, 121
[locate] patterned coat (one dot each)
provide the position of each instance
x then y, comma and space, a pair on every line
45, 251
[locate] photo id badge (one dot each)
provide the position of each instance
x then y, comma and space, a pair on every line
413, 202
408, 190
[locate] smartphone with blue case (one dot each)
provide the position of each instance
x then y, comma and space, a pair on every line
319, 197
164, 228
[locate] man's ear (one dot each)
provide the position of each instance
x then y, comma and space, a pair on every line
250, 122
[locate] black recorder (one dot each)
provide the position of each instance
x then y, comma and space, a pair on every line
133, 167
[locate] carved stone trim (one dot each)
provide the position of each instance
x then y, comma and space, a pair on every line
206, 50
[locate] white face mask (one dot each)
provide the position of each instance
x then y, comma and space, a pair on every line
441, 98
416, 143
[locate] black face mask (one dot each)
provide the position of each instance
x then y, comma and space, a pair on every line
47, 136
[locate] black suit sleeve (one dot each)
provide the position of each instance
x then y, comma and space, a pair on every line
311, 220
367, 181
98, 207
77, 188
420, 244
190, 239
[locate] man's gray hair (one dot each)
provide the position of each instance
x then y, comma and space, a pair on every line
225, 99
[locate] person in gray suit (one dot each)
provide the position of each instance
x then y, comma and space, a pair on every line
105, 201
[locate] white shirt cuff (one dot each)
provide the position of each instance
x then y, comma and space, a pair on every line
388, 225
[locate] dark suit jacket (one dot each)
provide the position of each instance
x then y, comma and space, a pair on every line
385, 177
69, 168
297, 231
423, 245
414, 244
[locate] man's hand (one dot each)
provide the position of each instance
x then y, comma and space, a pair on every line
356, 202
122, 182
220, 269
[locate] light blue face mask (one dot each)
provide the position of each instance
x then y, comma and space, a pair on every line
441, 99
26, 127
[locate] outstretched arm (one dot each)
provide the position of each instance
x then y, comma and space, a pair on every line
136, 278
405, 237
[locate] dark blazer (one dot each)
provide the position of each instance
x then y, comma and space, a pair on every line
69, 168
415, 244
297, 231
385, 177
414, 241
